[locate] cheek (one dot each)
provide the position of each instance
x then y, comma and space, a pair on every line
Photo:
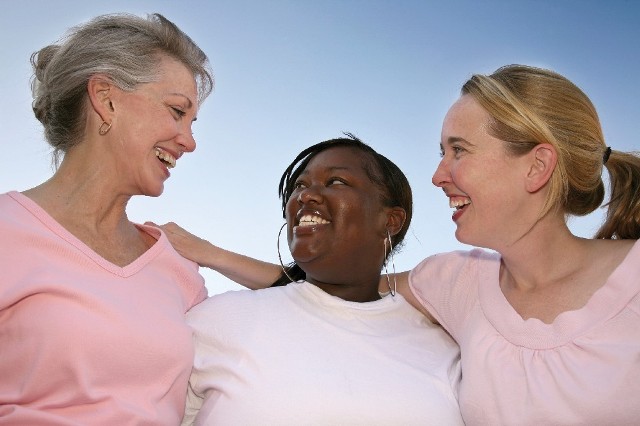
470, 176
461, 174
291, 209
362, 216
165, 127
141, 126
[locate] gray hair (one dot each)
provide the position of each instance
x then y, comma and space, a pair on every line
124, 47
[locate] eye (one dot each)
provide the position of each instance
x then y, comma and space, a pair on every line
336, 181
457, 150
299, 185
178, 112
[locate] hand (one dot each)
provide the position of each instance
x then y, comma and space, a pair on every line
247, 271
188, 245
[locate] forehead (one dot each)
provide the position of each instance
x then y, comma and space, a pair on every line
340, 157
465, 115
175, 78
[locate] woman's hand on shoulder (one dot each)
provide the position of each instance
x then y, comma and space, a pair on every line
247, 271
189, 245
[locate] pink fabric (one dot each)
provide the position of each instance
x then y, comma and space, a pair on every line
584, 368
83, 341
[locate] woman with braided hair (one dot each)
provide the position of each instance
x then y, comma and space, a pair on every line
328, 348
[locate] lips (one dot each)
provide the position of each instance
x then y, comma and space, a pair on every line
167, 158
309, 220
459, 204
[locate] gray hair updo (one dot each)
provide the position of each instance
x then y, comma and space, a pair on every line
124, 47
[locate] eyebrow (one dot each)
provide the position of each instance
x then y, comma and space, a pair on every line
189, 103
454, 139
331, 169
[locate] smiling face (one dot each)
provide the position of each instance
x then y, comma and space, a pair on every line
336, 220
484, 183
152, 128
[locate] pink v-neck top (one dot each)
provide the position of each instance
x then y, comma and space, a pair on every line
584, 368
86, 342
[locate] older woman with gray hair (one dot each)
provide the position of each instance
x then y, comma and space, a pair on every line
92, 325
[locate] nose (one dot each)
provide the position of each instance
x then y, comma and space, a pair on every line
442, 175
310, 194
186, 140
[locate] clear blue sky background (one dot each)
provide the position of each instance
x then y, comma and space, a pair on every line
290, 73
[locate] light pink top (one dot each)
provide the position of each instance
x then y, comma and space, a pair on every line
83, 341
584, 368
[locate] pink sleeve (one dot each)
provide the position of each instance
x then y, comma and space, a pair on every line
192, 283
202, 294
446, 285
187, 272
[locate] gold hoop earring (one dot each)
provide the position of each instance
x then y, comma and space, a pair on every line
280, 257
393, 264
104, 128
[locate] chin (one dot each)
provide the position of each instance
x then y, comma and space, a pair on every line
466, 239
460, 237
155, 192
474, 242
303, 257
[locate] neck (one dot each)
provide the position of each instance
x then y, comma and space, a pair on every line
77, 196
350, 290
548, 250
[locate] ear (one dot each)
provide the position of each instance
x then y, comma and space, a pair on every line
543, 162
396, 217
101, 91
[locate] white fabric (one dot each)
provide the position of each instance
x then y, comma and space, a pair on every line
296, 355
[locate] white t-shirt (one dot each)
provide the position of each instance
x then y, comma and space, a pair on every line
296, 355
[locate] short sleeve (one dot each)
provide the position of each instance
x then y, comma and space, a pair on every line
447, 286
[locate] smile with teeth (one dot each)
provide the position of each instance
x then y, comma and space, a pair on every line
458, 203
168, 159
310, 220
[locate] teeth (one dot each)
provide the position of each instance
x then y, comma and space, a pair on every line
458, 203
169, 160
310, 220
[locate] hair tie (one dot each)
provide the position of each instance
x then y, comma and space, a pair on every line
605, 156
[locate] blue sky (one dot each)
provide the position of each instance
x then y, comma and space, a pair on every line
292, 73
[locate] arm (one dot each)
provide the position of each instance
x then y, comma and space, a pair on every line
193, 405
244, 270
402, 281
